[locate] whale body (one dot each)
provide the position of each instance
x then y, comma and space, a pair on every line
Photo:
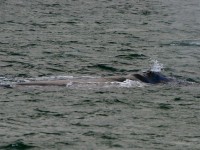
149, 77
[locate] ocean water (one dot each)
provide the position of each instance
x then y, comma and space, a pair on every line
46, 40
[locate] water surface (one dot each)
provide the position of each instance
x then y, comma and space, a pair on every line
99, 38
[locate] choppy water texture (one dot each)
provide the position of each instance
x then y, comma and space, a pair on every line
45, 38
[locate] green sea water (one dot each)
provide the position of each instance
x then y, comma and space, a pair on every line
76, 38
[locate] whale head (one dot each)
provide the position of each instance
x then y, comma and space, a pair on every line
152, 77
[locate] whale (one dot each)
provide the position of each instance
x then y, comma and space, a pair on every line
149, 77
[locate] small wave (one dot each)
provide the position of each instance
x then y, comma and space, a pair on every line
184, 43
17, 145
104, 67
132, 56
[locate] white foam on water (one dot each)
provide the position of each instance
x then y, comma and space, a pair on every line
69, 84
195, 43
130, 83
50, 78
125, 84
92, 85
58, 78
4, 80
